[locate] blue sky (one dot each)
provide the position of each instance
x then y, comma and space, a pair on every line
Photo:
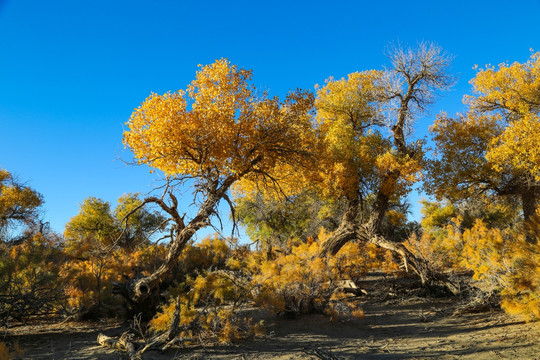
71, 72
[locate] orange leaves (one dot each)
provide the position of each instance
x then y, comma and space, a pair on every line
219, 125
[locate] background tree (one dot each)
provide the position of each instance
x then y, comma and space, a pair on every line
92, 227
141, 225
101, 246
279, 223
492, 149
19, 204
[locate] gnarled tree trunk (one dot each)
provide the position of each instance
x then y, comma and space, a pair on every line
142, 293
345, 232
421, 74
365, 233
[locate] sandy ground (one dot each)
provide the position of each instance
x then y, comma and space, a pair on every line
393, 328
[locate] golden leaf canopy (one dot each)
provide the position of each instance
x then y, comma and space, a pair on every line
222, 125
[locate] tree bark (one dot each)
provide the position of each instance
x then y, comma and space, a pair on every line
345, 232
143, 293
365, 233
429, 278
528, 202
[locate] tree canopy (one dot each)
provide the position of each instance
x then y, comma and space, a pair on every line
493, 148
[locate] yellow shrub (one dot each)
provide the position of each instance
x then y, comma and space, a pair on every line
89, 279
302, 281
503, 260
212, 251
29, 276
207, 322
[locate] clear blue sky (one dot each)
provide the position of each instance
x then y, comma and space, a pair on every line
71, 72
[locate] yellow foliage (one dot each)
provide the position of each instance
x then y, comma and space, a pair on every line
206, 322
220, 126
502, 260
29, 272
517, 147
511, 88
508, 97
89, 279
18, 203
346, 108
301, 281
210, 251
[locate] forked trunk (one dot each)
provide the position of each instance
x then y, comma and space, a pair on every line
345, 232
142, 293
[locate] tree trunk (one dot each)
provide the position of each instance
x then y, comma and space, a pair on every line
345, 232
431, 279
143, 293
528, 202
348, 231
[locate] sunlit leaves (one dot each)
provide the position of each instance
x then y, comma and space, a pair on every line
221, 124
494, 147
512, 91
517, 148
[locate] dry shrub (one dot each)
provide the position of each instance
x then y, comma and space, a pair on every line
210, 295
302, 281
504, 261
204, 314
442, 247
290, 282
89, 277
29, 277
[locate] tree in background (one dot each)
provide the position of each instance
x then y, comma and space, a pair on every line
19, 205
30, 255
102, 247
493, 149
278, 223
